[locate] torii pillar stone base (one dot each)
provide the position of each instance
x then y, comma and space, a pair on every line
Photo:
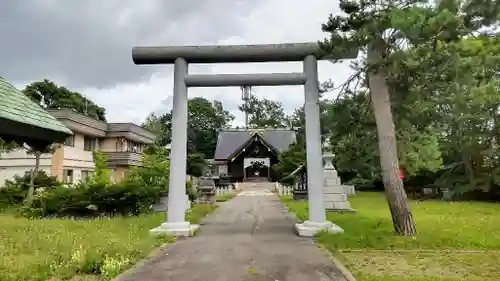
311, 228
175, 229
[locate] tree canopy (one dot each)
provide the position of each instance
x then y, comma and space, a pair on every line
51, 96
264, 113
205, 119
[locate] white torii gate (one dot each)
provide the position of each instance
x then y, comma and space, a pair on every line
181, 56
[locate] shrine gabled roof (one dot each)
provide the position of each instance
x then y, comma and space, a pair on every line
22, 119
230, 141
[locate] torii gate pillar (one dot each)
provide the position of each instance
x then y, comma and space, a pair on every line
180, 56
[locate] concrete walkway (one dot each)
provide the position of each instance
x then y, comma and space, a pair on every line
249, 238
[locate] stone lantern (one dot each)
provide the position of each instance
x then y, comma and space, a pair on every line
168, 147
335, 194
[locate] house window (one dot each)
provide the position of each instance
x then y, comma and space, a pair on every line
86, 175
70, 141
214, 170
89, 144
68, 176
120, 144
133, 147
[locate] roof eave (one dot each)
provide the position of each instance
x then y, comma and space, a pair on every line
30, 134
238, 151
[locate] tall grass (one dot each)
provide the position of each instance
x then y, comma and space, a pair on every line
63, 248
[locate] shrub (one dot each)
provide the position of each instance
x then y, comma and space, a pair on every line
97, 196
95, 199
154, 171
14, 191
101, 174
191, 191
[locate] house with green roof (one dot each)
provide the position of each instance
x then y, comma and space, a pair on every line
72, 159
24, 121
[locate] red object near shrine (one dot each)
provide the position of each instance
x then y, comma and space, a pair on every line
401, 174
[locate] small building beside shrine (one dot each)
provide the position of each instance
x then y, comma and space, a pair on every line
249, 154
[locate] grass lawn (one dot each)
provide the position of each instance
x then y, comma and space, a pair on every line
86, 249
456, 241
226, 197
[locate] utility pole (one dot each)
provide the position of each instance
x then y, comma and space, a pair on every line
246, 92
86, 104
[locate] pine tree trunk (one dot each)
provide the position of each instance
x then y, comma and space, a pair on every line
396, 196
31, 190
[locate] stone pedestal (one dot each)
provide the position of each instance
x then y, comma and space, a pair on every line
162, 204
335, 195
310, 229
175, 229
207, 191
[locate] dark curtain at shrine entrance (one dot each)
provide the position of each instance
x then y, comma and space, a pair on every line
257, 170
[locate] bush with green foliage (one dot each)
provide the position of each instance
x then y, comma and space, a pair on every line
98, 196
101, 174
289, 161
191, 191
14, 191
196, 164
92, 199
154, 171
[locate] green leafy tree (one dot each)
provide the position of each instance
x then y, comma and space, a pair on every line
154, 170
160, 125
101, 174
467, 111
205, 119
351, 129
264, 113
297, 120
385, 30
6, 146
196, 164
156, 124
49, 95
290, 160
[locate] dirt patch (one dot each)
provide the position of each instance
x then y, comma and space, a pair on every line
455, 265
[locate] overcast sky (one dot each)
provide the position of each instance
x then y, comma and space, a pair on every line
87, 46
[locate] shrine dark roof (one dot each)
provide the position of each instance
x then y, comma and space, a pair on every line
21, 119
230, 141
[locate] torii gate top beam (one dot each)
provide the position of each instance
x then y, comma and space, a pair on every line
232, 53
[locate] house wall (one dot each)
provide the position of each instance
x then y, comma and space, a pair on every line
74, 157
118, 144
222, 169
64, 158
108, 144
57, 168
118, 173
18, 162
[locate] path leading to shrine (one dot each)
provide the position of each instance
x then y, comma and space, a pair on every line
249, 238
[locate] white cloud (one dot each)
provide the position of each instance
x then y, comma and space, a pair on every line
271, 21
